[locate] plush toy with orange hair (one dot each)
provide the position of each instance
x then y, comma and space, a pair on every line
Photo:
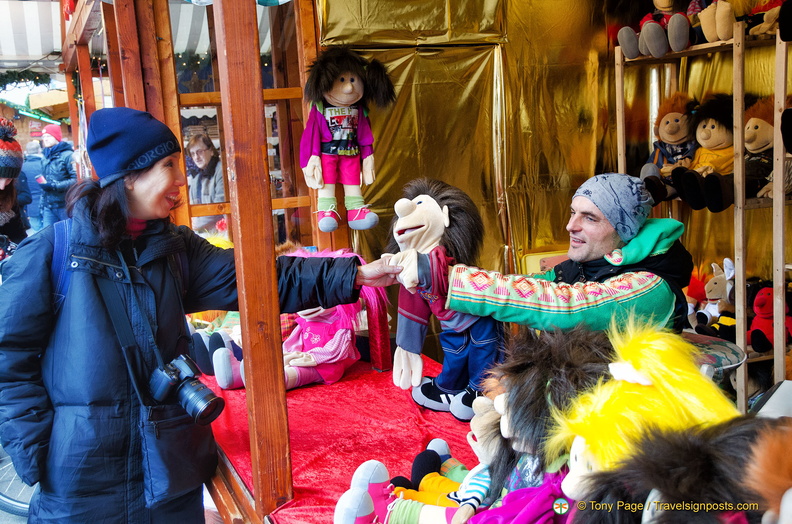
675, 146
769, 472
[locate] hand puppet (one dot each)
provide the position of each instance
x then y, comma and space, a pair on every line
666, 26
760, 333
769, 472
720, 294
675, 146
337, 143
435, 226
655, 383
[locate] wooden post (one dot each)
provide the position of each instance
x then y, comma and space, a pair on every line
113, 54
243, 118
131, 69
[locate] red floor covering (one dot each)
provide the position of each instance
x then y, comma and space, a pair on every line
335, 428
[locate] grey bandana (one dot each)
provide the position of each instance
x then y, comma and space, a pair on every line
623, 200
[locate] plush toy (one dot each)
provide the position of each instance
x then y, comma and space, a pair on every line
437, 225
666, 26
655, 383
717, 21
720, 294
337, 142
769, 472
703, 465
760, 333
675, 146
319, 349
712, 120
763, 18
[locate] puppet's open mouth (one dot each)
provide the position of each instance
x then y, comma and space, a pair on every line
402, 232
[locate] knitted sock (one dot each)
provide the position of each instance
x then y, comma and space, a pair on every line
405, 512
326, 204
353, 202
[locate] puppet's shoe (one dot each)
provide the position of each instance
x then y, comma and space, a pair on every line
655, 39
372, 476
677, 175
785, 23
440, 447
430, 396
462, 404
786, 129
226, 368
724, 21
656, 188
708, 23
354, 507
628, 41
719, 191
426, 462
693, 184
362, 218
678, 32
199, 352
327, 220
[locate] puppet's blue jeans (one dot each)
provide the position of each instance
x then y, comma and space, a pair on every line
467, 355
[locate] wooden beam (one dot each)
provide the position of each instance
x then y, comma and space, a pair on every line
129, 47
113, 54
243, 119
212, 98
86, 80
84, 23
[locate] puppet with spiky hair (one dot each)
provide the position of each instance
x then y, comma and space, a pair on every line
675, 146
704, 465
437, 225
769, 472
655, 383
337, 144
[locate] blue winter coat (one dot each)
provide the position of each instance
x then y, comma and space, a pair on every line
69, 417
57, 168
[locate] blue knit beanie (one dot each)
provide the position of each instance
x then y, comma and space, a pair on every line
121, 140
623, 199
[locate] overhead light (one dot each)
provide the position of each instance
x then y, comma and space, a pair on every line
38, 117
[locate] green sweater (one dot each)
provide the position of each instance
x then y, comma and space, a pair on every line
615, 291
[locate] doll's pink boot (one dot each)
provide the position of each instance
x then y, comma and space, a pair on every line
354, 507
373, 477
328, 220
362, 218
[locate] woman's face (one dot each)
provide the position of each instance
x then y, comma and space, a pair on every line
155, 191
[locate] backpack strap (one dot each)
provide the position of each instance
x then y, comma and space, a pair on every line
60, 276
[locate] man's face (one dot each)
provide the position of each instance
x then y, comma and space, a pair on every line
48, 140
591, 236
201, 155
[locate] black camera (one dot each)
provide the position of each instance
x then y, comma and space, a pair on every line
180, 377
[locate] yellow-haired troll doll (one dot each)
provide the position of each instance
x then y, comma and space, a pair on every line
655, 383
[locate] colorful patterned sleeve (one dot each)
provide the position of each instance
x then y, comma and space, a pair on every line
543, 304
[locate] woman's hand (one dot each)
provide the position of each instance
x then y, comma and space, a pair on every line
376, 274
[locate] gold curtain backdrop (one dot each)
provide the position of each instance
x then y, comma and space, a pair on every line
514, 102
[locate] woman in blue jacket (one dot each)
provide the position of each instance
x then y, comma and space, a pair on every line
77, 413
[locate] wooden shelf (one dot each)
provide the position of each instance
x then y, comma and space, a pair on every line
703, 49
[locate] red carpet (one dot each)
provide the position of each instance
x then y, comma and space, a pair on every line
334, 429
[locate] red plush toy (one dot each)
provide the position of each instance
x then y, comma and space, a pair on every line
760, 334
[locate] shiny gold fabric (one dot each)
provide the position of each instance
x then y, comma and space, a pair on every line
517, 108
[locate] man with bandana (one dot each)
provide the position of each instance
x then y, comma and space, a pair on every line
620, 262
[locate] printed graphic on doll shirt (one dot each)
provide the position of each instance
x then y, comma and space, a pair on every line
343, 122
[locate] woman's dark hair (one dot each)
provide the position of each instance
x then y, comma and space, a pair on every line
8, 197
107, 207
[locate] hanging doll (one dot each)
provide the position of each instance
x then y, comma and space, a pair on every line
703, 465
319, 349
655, 383
675, 146
712, 120
337, 143
437, 225
540, 371
666, 26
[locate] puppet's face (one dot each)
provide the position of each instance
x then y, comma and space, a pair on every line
664, 5
421, 223
581, 464
674, 128
347, 90
712, 135
758, 135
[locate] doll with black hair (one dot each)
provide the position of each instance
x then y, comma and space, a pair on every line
337, 144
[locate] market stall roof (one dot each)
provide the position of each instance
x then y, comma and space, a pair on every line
31, 39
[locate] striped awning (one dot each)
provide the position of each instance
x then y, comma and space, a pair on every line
30, 36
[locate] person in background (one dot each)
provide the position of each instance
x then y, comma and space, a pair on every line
12, 228
207, 185
58, 173
78, 414
31, 168
620, 262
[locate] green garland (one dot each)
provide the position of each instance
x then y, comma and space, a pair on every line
14, 78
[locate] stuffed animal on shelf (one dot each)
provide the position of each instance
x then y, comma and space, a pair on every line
655, 383
437, 225
319, 349
666, 26
720, 294
717, 20
337, 143
760, 333
702, 465
675, 146
763, 18
712, 120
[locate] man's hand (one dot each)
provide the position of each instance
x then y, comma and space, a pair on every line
407, 369
377, 274
368, 170
313, 173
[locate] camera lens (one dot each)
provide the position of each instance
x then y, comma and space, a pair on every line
200, 402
